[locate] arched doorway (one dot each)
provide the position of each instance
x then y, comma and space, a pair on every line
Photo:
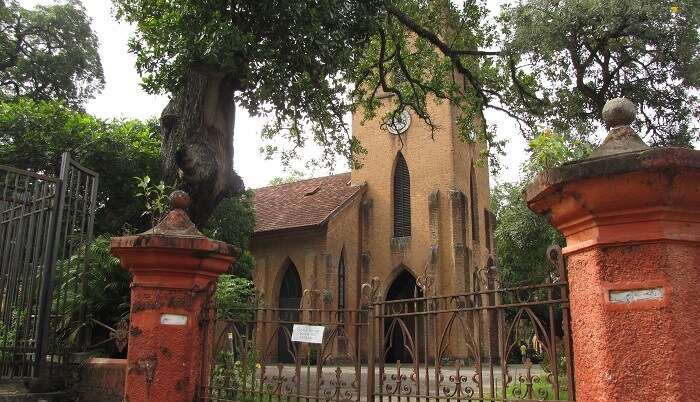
403, 288
289, 303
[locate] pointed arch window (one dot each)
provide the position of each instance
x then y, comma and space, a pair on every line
473, 195
402, 198
341, 281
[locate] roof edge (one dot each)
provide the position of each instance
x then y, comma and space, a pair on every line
361, 188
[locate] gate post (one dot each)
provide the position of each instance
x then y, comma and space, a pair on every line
631, 218
174, 270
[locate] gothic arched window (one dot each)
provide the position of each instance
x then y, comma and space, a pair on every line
402, 198
341, 281
475, 204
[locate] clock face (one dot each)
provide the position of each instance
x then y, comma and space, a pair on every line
399, 124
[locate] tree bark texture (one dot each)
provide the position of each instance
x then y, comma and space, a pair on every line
197, 147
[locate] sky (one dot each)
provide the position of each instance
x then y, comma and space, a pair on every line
123, 97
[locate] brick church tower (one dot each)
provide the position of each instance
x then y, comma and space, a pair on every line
417, 206
426, 203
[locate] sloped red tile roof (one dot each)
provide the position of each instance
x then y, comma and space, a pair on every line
301, 204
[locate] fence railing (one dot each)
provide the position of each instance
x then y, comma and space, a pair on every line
44, 220
494, 344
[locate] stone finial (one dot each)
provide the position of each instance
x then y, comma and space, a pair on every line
619, 112
179, 200
176, 222
618, 115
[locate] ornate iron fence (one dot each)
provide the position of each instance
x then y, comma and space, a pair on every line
494, 344
44, 220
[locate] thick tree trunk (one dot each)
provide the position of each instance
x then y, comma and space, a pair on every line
197, 148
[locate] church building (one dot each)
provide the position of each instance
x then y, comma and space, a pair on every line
418, 205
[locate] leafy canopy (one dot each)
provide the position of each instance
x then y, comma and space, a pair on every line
307, 64
286, 56
33, 134
577, 54
521, 236
48, 53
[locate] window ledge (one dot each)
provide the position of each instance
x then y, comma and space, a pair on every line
400, 244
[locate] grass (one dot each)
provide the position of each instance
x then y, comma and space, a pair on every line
541, 390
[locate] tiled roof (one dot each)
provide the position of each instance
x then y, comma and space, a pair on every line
301, 204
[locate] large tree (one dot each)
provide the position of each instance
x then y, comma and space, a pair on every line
305, 64
48, 53
33, 134
580, 53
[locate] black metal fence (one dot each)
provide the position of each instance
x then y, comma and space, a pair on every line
44, 220
494, 344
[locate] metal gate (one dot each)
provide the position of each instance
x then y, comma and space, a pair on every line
44, 222
494, 344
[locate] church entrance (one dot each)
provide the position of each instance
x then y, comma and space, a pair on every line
400, 330
289, 303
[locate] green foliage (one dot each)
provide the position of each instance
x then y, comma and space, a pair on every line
48, 53
233, 374
84, 292
155, 198
293, 176
288, 56
233, 222
305, 65
580, 53
521, 237
10, 331
244, 265
33, 134
542, 390
233, 297
549, 150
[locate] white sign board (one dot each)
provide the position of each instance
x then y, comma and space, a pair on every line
308, 333
630, 296
173, 319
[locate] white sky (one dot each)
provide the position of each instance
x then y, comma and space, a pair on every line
122, 97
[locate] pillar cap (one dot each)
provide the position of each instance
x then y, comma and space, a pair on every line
175, 231
619, 114
628, 198
551, 180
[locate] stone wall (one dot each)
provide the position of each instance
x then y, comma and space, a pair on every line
102, 380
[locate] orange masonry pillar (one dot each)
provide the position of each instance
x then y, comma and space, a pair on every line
174, 270
631, 218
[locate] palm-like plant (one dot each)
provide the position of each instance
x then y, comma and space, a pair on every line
91, 298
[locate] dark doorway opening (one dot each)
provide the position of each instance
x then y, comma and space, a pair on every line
289, 303
398, 339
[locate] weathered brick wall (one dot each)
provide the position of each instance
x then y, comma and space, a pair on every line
439, 163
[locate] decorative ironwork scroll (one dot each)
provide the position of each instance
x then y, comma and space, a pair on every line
496, 343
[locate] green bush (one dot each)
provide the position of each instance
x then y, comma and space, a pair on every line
89, 295
233, 298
